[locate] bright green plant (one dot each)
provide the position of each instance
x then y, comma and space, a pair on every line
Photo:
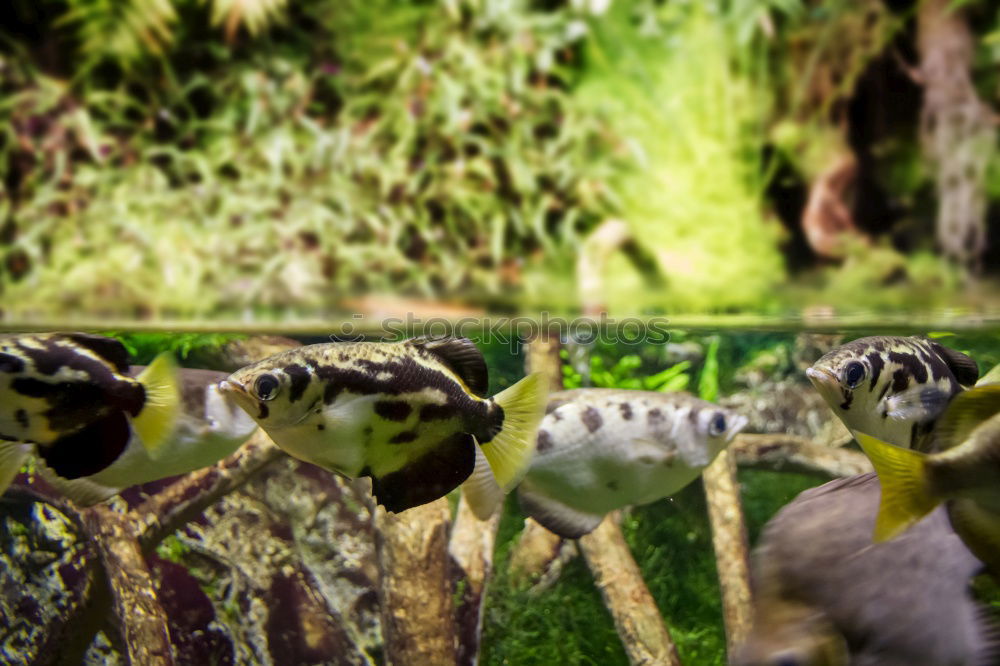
625, 373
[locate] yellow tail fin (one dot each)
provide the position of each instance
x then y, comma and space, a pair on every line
905, 498
159, 414
509, 452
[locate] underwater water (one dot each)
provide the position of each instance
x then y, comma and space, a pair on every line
283, 568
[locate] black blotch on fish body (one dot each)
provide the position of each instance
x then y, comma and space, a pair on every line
876, 364
262, 410
320, 426
911, 364
403, 438
433, 475
90, 449
10, 363
900, 380
612, 485
848, 398
436, 412
656, 416
544, 441
592, 419
73, 404
299, 377
493, 423
626, 410
110, 349
392, 410
22, 418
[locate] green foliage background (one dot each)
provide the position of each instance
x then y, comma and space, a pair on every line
222, 159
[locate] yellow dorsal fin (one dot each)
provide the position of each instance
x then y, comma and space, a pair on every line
509, 452
156, 421
905, 498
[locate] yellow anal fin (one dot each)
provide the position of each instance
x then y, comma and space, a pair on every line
509, 452
481, 490
905, 498
156, 421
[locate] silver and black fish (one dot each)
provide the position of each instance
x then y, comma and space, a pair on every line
104, 458
963, 473
892, 388
57, 385
824, 595
409, 414
602, 449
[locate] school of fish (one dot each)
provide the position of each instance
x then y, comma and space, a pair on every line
415, 417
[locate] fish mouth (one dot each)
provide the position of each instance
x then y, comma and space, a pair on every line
739, 422
235, 392
822, 378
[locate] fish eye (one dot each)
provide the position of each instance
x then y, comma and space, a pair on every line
718, 425
854, 372
266, 387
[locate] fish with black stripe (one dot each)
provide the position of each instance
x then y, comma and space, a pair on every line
410, 415
963, 473
602, 449
102, 459
892, 387
55, 385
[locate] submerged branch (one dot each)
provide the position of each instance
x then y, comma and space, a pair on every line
730, 542
642, 629
418, 624
142, 620
788, 453
471, 548
168, 510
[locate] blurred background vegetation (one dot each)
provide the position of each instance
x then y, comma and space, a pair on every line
252, 159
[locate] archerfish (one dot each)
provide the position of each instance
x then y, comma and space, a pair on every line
102, 459
408, 414
824, 595
964, 473
54, 385
603, 449
892, 388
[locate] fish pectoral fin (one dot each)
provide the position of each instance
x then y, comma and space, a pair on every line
83, 492
979, 530
431, 476
905, 499
12, 456
918, 403
510, 451
158, 417
463, 358
555, 516
967, 411
481, 490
